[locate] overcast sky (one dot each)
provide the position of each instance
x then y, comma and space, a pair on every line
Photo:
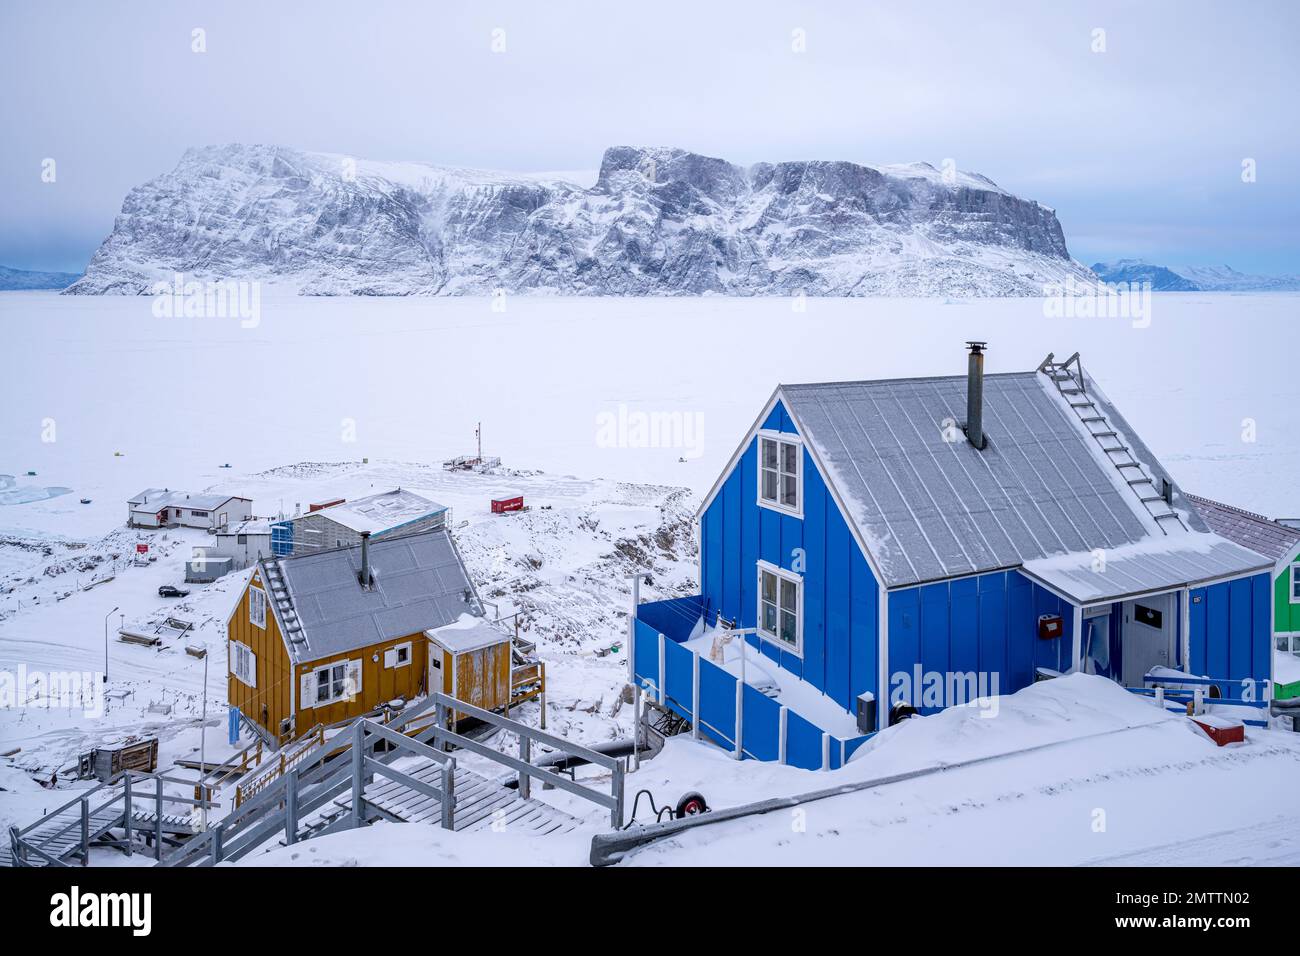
1139, 148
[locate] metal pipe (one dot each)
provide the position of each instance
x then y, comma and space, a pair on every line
365, 559
975, 394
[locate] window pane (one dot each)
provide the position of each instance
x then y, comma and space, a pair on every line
789, 491
769, 485
788, 628
322, 686
769, 587
789, 595
789, 458
769, 453
769, 618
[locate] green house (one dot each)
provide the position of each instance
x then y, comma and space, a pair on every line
1281, 543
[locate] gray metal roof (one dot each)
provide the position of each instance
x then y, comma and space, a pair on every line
1145, 568
930, 508
1259, 534
420, 584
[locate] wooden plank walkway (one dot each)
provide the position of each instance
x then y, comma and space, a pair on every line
480, 804
67, 845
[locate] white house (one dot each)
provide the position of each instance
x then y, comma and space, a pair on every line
247, 542
164, 508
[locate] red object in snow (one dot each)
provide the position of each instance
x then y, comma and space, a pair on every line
142, 549
1221, 731
502, 505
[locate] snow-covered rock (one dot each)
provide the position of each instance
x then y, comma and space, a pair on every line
657, 221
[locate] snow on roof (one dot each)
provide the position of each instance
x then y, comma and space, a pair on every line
381, 512
467, 633
930, 507
1146, 567
251, 526
155, 499
1259, 534
420, 584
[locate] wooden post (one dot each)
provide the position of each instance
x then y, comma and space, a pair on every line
85, 831
525, 754
291, 809
784, 733
449, 796
616, 786
1076, 650
826, 751
541, 670
126, 812
662, 667
740, 719
358, 765
157, 822
440, 718
695, 696
217, 843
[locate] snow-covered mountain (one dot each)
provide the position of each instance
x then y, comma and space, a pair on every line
657, 221
21, 279
1160, 278
1192, 278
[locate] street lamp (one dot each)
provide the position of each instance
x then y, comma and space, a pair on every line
106, 617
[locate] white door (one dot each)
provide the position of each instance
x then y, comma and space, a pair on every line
1149, 627
435, 668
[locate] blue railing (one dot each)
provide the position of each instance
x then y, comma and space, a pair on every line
1180, 696
718, 706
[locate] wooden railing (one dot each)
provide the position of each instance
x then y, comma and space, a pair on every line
286, 760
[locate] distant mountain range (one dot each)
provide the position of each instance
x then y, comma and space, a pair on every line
657, 221
1191, 278
12, 280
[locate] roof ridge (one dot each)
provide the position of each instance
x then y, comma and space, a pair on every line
904, 379
1263, 519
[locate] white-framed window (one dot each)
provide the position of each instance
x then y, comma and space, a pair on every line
780, 475
257, 607
780, 607
1295, 583
330, 683
398, 656
1288, 643
243, 663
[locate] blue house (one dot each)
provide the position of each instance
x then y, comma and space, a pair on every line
878, 547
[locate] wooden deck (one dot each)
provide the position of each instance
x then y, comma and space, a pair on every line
59, 835
480, 804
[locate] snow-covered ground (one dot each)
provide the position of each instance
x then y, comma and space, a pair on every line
653, 395
1114, 782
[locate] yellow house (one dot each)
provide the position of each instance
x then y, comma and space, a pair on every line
323, 637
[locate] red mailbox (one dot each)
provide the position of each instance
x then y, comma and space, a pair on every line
1050, 626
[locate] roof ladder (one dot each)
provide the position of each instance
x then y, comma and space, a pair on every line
1069, 380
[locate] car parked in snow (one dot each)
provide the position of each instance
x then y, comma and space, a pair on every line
170, 590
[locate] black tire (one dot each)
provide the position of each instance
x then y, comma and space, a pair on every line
901, 712
691, 804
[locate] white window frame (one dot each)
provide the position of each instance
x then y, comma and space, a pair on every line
795, 579
394, 651
788, 438
243, 664
333, 698
257, 603
1295, 579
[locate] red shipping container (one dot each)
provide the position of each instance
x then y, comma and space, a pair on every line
502, 505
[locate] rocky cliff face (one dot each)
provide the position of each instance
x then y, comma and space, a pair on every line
658, 221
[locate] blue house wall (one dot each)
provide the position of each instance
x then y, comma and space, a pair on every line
986, 624
841, 596
1231, 629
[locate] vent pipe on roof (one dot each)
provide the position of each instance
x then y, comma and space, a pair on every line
365, 559
975, 394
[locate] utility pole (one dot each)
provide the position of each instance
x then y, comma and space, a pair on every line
478, 437
203, 746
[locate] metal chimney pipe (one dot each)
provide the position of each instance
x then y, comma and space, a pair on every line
975, 394
365, 559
